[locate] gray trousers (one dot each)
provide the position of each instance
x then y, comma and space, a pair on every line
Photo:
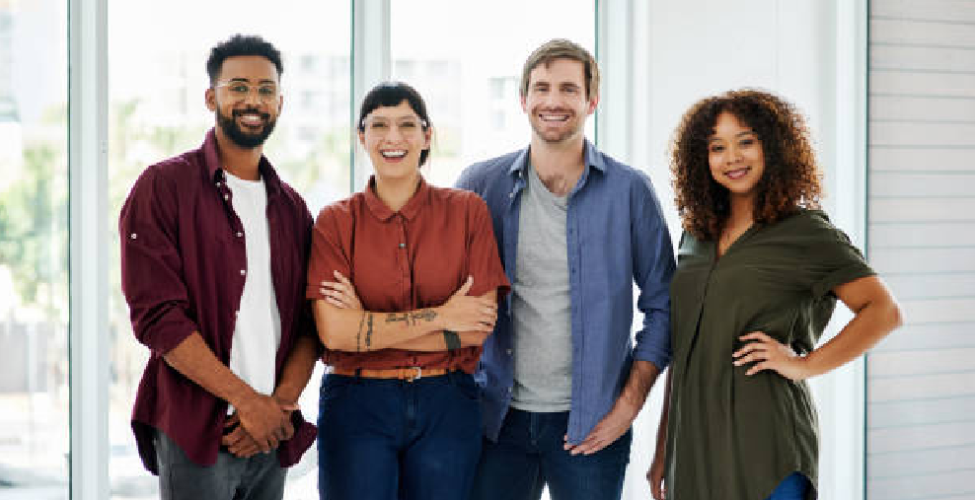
256, 478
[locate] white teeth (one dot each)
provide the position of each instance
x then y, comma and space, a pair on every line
251, 119
736, 174
554, 118
399, 153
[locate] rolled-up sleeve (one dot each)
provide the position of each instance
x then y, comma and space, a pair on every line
152, 269
653, 268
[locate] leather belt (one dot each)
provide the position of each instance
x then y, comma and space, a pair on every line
408, 374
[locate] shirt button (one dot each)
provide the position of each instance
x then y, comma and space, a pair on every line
226, 196
240, 234
218, 184
508, 351
509, 390
402, 245
243, 272
133, 236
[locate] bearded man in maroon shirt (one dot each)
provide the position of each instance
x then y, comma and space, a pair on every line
214, 253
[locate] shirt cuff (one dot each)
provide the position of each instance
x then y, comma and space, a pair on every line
659, 357
168, 332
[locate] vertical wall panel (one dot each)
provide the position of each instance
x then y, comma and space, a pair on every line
921, 226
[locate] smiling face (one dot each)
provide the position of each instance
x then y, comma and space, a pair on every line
246, 100
556, 102
736, 157
394, 137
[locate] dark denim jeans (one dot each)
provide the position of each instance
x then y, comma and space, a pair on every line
392, 439
529, 454
793, 487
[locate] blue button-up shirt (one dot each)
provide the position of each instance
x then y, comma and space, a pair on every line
616, 235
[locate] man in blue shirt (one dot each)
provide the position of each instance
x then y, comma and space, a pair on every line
562, 380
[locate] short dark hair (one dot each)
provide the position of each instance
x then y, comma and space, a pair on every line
392, 94
241, 45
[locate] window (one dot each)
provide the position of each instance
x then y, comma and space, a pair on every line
33, 249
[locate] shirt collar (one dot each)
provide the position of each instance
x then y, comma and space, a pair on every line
591, 157
215, 169
409, 211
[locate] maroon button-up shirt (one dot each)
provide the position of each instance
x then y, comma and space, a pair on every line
183, 270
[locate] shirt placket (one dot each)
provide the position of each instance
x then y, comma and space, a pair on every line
403, 262
238, 254
511, 228
280, 261
580, 374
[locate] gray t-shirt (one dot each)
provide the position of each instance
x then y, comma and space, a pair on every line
541, 304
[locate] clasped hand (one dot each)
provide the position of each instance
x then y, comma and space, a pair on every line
261, 424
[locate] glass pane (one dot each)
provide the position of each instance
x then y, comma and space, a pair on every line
471, 83
156, 86
33, 250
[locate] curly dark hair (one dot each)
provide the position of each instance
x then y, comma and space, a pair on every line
791, 180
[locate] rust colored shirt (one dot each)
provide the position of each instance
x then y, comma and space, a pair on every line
401, 261
183, 270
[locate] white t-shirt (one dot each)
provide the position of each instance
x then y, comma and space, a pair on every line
257, 333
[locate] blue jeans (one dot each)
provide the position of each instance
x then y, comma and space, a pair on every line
529, 454
393, 439
793, 487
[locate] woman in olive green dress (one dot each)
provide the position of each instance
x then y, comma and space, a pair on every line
759, 270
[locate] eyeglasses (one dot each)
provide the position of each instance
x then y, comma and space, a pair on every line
266, 92
382, 126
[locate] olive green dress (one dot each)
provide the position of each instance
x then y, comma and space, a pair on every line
730, 436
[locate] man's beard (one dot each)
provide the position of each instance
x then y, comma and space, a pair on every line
237, 135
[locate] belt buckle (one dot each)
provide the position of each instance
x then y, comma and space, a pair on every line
417, 376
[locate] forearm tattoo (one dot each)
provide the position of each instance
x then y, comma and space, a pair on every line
358, 333
412, 318
393, 318
369, 331
427, 315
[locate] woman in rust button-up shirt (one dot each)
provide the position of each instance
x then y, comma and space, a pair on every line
405, 278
